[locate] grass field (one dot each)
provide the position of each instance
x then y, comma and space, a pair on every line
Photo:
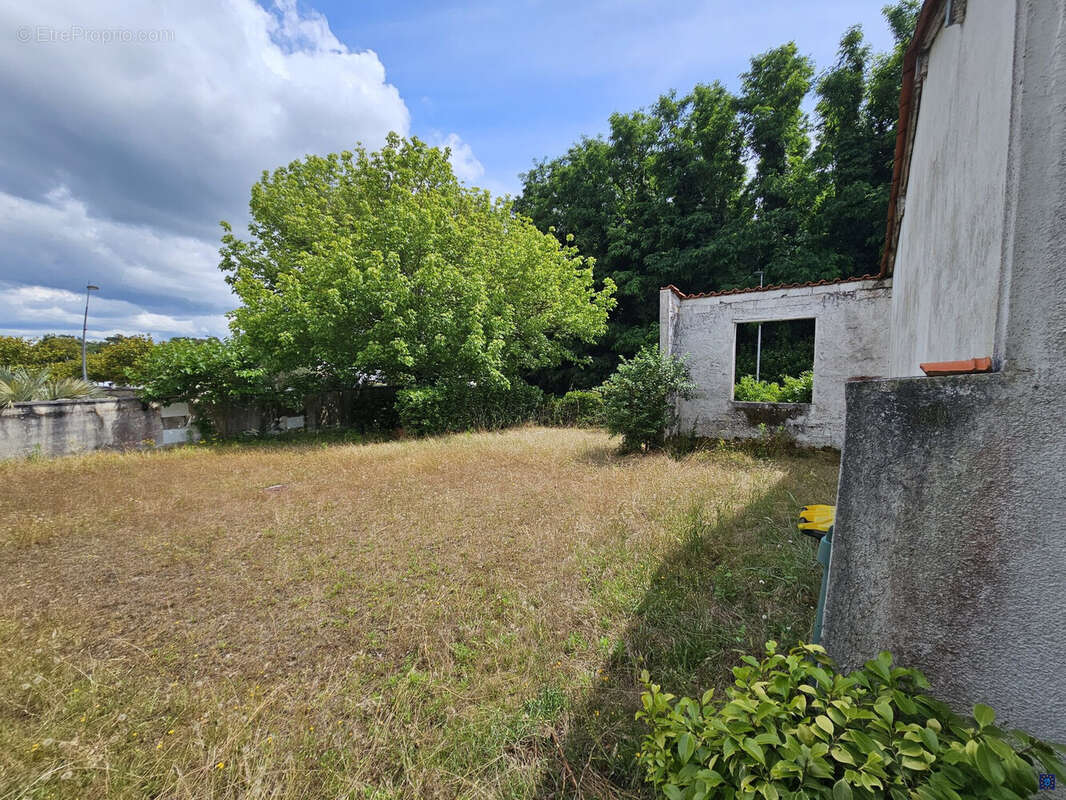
455, 617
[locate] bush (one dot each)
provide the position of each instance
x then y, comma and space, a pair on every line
794, 727
793, 390
213, 376
638, 398
466, 406
579, 407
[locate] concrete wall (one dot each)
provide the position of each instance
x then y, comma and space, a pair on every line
950, 543
947, 273
61, 427
851, 339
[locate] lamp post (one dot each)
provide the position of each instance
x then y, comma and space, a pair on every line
758, 341
89, 289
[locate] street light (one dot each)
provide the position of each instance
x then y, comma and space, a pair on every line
758, 345
89, 289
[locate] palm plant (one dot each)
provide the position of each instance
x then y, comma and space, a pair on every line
26, 384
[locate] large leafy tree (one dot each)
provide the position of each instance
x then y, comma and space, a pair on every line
649, 202
382, 265
782, 191
857, 110
116, 360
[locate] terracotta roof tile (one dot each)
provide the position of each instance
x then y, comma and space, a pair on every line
965, 367
725, 292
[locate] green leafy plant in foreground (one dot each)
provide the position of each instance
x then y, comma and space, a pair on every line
792, 727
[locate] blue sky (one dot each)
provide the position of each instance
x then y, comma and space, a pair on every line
128, 130
522, 80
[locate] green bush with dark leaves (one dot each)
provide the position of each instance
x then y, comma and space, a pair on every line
793, 727
790, 390
578, 407
467, 406
638, 399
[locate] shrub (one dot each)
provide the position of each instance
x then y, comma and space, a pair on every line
579, 407
213, 376
638, 397
797, 390
792, 726
792, 390
467, 406
26, 384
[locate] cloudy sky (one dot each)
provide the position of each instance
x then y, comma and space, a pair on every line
128, 130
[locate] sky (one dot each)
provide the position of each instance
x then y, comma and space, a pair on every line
128, 130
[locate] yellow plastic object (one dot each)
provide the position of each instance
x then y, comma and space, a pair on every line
817, 518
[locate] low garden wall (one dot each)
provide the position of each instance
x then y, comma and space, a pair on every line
61, 427
123, 422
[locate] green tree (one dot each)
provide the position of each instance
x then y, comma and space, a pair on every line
848, 221
648, 203
14, 351
382, 265
53, 349
118, 355
882, 99
857, 110
783, 189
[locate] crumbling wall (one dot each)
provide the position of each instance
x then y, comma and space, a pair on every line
851, 339
60, 427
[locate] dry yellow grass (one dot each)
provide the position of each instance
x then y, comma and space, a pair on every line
453, 617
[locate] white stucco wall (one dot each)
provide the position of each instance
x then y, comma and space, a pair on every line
851, 339
947, 268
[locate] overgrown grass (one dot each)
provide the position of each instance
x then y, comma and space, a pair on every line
454, 617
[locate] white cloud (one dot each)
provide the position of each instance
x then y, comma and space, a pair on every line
59, 242
464, 163
117, 159
33, 310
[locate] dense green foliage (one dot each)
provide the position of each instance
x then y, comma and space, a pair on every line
791, 390
665, 197
787, 349
466, 406
26, 384
793, 727
382, 265
117, 358
208, 371
578, 407
638, 397
109, 360
213, 376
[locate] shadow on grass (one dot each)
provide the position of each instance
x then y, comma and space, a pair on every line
297, 439
728, 586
